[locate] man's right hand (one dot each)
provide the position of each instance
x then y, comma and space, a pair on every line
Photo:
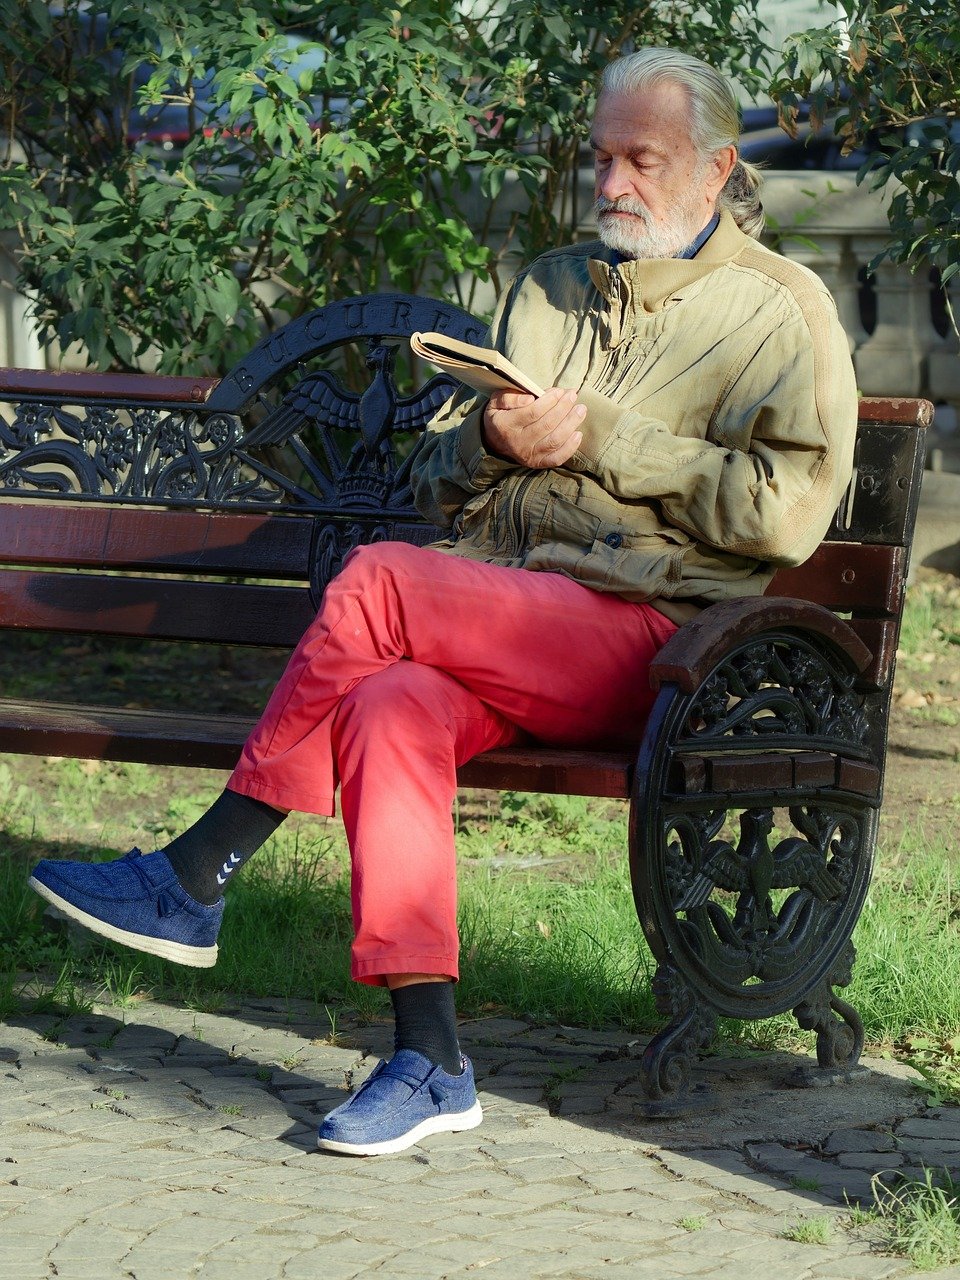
538, 432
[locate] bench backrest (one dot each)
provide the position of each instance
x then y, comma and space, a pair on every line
216, 511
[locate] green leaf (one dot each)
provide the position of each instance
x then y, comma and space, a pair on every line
264, 113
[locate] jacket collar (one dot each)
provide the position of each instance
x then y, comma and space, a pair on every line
646, 284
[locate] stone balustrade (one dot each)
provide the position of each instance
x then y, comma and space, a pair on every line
897, 321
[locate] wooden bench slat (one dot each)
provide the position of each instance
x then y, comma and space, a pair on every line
79, 535
606, 773
57, 384
901, 410
847, 577
745, 773
158, 609
121, 733
691, 653
214, 741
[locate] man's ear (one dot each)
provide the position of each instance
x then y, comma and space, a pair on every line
722, 164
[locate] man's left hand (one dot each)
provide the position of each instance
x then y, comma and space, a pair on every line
537, 432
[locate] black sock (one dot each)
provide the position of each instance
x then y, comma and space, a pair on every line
220, 842
426, 1020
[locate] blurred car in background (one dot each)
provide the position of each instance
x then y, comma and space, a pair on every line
763, 142
169, 126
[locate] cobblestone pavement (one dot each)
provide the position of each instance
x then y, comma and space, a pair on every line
157, 1143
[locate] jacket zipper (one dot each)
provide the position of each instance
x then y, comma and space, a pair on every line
514, 513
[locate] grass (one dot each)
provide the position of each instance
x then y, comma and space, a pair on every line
921, 1220
817, 1230
555, 941
931, 618
805, 1184
548, 927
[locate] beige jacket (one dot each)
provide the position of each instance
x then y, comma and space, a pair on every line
721, 413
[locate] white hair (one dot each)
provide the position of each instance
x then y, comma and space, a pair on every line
714, 119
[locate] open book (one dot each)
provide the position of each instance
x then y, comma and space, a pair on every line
481, 368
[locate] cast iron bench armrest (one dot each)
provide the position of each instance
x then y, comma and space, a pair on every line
694, 650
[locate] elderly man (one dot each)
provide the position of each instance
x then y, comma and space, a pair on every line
697, 431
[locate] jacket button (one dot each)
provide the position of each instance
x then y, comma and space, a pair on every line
613, 540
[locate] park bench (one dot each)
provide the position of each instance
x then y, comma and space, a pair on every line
216, 510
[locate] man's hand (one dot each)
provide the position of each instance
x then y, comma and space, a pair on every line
537, 432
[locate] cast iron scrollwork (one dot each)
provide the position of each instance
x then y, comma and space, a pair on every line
749, 893
170, 456
778, 687
668, 1059
282, 428
837, 1024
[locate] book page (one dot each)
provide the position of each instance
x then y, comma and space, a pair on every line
480, 368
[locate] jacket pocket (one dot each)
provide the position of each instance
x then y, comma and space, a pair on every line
476, 514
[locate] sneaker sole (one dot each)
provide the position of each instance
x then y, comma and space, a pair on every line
179, 952
453, 1123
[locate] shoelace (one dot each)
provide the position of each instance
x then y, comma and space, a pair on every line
166, 906
383, 1071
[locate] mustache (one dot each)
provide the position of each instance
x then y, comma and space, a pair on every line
624, 204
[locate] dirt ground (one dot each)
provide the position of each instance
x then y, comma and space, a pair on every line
922, 790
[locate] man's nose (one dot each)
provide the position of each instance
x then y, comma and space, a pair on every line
614, 182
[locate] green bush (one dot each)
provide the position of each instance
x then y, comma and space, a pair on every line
182, 257
891, 72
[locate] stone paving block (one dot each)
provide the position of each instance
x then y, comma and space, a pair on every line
602, 1258
91, 1124
539, 1195
145, 1263
871, 1161
132, 1064
581, 1104
490, 1030
478, 1180
646, 1200
266, 1269
509, 1114
504, 1265
320, 1095
634, 1229
531, 1097
457, 1253
337, 1260
647, 1177
20, 1109
268, 1150
262, 1128
859, 1140
148, 1107
870, 1267
543, 1169
93, 1240
929, 1152
939, 1125
138, 1038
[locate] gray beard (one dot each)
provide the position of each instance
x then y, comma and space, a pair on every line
649, 240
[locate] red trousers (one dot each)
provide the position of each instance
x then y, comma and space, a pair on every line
417, 661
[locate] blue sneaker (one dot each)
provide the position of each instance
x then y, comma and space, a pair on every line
399, 1103
136, 900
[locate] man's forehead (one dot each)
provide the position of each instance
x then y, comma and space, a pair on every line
656, 119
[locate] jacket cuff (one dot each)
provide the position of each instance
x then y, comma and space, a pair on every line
482, 467
598, 427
